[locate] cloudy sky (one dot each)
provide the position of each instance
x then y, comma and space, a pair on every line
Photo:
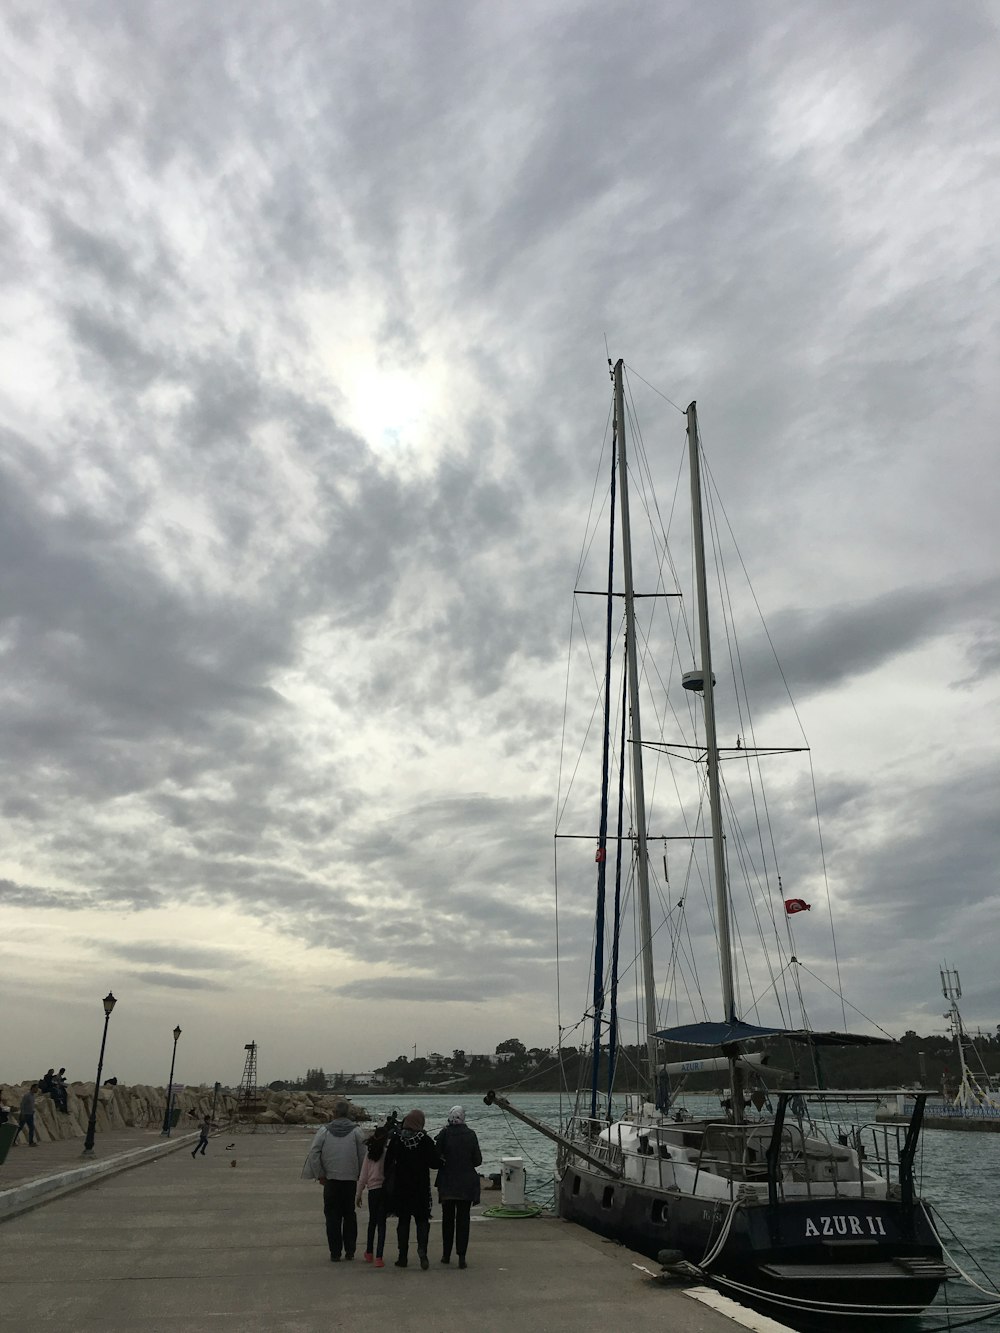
305, 316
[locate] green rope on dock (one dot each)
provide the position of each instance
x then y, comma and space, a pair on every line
532, 1210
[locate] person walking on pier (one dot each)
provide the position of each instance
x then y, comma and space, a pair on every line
372, 1178
26, 1115
410, 1156
335, 1160
457, 1183
202, 1143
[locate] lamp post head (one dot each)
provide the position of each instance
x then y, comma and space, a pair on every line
177, 1033
109, 1003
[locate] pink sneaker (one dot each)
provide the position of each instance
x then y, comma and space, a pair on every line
368, 1257
379, 1263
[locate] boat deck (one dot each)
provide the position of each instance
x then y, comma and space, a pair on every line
858, 1272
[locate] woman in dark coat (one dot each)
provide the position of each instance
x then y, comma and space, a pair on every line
408, 1161
457, 1183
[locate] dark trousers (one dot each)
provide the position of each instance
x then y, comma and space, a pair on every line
455, 1226
376, 1222
421, 1215
200, 1146
28, 1120
341, 1219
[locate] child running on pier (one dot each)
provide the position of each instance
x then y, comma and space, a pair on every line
372, 1178
203, 1132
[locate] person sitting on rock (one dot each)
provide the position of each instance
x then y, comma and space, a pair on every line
59, 1093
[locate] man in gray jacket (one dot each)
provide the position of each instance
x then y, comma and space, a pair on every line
335, 1159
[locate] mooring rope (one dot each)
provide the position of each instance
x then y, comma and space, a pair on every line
723, 1236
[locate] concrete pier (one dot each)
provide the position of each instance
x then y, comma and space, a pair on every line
235, 1241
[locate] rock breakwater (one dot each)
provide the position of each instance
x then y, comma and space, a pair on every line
141, 1106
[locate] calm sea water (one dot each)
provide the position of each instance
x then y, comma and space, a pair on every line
959, 1170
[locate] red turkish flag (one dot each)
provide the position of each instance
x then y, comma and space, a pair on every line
793, 905
602, 854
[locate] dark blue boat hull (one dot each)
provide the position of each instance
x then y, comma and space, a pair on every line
870, 1253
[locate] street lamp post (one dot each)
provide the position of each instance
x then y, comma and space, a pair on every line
109, 1003
165, 1133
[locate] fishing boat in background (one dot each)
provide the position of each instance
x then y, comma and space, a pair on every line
791, 1198
975, 1103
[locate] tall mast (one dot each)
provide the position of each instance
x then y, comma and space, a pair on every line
602, 834
712, 751
638, 790
951, 988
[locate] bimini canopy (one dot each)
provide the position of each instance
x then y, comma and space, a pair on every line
726, 1034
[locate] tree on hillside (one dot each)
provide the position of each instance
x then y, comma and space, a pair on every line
515, 1047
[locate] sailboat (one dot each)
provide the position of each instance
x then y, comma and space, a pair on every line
975, 1103
791, 1197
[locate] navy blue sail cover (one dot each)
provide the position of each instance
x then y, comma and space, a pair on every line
725, 1034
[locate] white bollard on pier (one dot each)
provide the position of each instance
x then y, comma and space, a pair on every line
512, 1182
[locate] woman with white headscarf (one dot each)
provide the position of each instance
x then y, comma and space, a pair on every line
457, 1183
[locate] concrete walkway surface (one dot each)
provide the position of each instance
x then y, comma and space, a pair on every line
31, 1176
235, 1241
24, 1163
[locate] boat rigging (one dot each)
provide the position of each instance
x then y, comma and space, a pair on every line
790, 1198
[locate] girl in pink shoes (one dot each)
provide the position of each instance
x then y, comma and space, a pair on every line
372, 1178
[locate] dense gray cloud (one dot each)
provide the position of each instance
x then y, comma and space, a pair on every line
173, 980
822, 648
192, 956
421, 990
303, 386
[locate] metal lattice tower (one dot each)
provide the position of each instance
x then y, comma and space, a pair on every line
246, 1094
